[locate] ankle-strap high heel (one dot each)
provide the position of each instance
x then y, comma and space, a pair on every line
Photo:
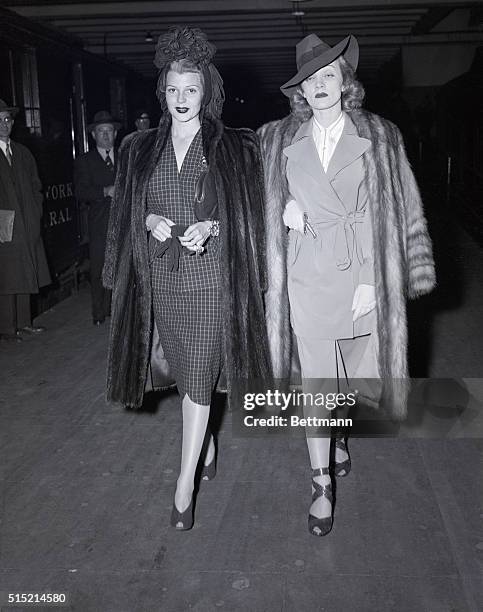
321, 526
182, 521
209, 471
342, 468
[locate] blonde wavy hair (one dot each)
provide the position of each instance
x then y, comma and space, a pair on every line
352, 93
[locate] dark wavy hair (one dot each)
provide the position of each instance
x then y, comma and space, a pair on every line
180, 66
185, 49
352, 93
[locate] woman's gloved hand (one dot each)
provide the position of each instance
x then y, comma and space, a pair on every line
364, 301
293, 216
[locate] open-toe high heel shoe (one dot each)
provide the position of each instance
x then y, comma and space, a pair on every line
209, 471
321, 526
342, 468
182, 521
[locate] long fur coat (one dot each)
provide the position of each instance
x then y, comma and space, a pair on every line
403, 260
233, 156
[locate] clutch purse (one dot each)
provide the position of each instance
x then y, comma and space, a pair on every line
6, 225
206, 200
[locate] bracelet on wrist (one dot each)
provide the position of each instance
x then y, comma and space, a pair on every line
215, 228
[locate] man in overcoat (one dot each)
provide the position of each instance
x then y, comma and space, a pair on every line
23, 264
94, 175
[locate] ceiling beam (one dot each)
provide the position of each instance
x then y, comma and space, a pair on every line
279, 42
204, 7
234, 38
239, 18
321, 22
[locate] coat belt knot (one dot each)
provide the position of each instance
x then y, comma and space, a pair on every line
346, 242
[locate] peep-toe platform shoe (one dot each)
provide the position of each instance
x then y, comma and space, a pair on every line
182, 521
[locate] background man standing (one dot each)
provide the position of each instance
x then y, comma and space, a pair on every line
94, 174
142, 121
23, 264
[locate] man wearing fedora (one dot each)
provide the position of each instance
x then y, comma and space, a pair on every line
142, 121
338, 177
23, 264
94, 175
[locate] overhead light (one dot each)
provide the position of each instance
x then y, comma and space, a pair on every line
296, 11
149, 37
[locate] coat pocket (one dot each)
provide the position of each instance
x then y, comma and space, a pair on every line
295, 242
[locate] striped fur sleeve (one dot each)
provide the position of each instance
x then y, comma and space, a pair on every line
419, 250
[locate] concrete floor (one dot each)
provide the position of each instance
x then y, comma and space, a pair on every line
86, 489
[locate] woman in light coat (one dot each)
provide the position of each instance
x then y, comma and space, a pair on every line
338, 177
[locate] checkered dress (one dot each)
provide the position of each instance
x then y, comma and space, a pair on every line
186, 303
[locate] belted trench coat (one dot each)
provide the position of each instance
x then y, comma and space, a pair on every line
403, 259
323, 271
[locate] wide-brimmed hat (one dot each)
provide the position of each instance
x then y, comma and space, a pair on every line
103, 117
312, 54
4, 107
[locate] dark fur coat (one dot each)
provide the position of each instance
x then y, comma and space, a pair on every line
234, 157
403, 260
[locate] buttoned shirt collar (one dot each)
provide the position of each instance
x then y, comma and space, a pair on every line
103, 153
3, 146
326, 139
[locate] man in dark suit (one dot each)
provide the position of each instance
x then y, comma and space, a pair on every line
94, 174
23, 264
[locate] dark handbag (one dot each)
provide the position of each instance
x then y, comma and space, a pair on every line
206, 201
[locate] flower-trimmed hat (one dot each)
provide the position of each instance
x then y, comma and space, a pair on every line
183, 42
312, 54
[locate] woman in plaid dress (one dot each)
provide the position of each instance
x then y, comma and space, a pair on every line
196, 186
186, 299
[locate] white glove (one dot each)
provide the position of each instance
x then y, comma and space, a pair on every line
364, 301
293, 216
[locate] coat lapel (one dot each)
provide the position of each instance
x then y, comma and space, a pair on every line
349, 148
4, 165
303, 153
